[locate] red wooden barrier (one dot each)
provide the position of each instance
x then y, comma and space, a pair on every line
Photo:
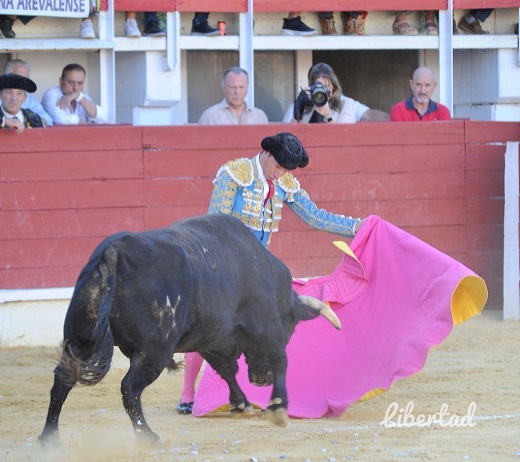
443, 182
149, 5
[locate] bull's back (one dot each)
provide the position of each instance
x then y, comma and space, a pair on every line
223, 245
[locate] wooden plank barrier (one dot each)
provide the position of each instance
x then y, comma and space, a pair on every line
64, 189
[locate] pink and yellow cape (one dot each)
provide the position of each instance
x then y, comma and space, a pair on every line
396, 297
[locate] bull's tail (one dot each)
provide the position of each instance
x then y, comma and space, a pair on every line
88, 364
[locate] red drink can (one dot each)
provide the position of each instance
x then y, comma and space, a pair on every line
222, 27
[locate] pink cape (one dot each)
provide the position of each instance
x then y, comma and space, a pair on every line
396, 300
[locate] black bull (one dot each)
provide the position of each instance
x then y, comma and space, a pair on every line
203, 284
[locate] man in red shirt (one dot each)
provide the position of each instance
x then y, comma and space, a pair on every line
420, 107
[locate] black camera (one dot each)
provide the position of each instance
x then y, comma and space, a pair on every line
319, 94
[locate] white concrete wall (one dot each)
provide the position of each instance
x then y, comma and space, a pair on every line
32, 323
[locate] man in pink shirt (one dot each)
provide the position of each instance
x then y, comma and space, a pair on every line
420, 107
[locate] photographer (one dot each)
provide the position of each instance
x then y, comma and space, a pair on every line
324, 102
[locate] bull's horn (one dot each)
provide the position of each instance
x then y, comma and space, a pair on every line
323, 308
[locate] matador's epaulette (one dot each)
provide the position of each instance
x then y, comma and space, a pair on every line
240, 170
289, 183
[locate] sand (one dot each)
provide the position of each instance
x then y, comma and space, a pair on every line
473, 378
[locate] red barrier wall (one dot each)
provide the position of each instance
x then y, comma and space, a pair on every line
64, 189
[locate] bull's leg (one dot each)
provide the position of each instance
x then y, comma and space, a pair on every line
141, 374
59, 393
277, 409
227, 369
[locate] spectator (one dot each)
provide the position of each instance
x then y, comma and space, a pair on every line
200, 26
13, 92
86, 28
337, 109
152, 26
131, 28
293, 25
471, 23
6, 24
67, 104
255, 191
402, 27
353, 22
233, 109
20, 67
420, 107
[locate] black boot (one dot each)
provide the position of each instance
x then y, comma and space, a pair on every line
6, 27
200, 26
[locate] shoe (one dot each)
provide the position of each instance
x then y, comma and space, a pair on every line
153, 29
184, 408
455, 30
328, 26
471, 28
203, 28
131, 29
403, 28
353, 26
431, 28
295, 26
6, 27
86, 30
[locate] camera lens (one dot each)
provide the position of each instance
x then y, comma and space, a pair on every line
319, 98
320, 95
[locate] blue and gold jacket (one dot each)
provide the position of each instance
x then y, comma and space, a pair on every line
238, 191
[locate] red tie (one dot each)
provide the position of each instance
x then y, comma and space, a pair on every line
270, 192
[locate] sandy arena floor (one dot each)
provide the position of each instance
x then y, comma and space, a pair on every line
475, 373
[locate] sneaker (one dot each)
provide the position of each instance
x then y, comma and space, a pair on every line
153, 29
203, 28
86, 30
328, 26
131, 28
353, 26
295, 26
472, 28
184, 408
6, 27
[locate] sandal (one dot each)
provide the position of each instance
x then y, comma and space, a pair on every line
403, 28
431, 28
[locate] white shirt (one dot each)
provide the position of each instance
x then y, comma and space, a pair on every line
32, 103
18, 115
261, 176
350, 113
69, 116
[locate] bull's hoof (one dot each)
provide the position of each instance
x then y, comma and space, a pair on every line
243, 408
147, 438
278, 417
49, 439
